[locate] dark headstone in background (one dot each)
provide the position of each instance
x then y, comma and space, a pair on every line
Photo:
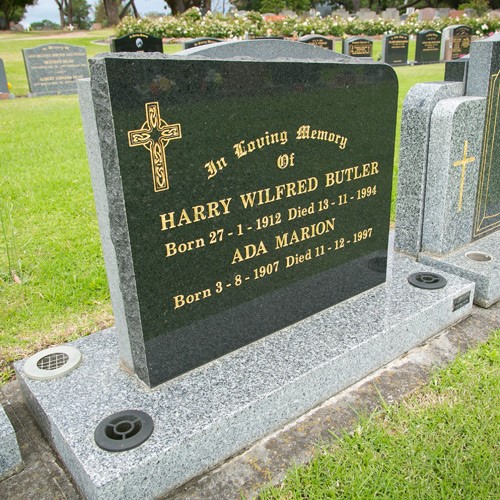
4, 89
456, 42
137, 42
456, 71
199, 42
207, 287
428, 47
357, 46
395, 49
55, 68
318, 40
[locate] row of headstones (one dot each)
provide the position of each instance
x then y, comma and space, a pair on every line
55, 68
431, 46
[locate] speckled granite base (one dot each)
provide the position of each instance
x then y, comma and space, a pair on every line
215, 411
486, 275
10, 456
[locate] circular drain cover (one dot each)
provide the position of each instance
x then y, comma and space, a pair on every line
428, 281
124, 430
52, 363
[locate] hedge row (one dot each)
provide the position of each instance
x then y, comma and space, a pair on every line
192, 24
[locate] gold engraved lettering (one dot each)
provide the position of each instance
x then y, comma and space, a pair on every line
351, 174
172, 248
214, 166
304, 132
194, 214
249, 252
147, 136
183, 300
304, 233
463, 164
243, 148
270, 195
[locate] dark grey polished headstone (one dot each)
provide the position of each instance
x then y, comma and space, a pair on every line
55, 68
165, 332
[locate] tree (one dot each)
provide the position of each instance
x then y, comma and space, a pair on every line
81, 13
13, 10
65, 12
180, 6
110, 12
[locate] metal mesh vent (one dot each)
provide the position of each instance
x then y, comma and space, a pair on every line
53, 361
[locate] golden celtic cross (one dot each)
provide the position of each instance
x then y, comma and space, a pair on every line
463, 163
154, 135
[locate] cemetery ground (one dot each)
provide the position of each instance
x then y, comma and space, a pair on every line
53, 288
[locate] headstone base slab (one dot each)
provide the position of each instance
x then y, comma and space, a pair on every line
217, 410
486, 275
10, 456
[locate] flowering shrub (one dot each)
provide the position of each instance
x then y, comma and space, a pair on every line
191, 24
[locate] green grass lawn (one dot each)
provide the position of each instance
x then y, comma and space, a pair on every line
52, 279
440, 443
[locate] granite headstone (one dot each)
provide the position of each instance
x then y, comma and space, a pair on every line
55, 68
237, 219
357, 46
318, 40
457, 70
455, 42
457, 217
395, 49
137, 42
199, 42
428, 47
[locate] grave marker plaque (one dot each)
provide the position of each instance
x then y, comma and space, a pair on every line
318, 40
137, 42
395, 49
234, 235
55, 68
357, 47
428, 47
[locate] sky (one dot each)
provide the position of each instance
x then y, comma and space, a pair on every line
47, 9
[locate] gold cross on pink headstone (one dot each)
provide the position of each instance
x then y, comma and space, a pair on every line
463, 163
154, 135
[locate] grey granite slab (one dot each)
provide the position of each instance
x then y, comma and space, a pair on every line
415, 133
265, 50
484, 62
454, 159
485, 274
213, 412
115, 261
10, 456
